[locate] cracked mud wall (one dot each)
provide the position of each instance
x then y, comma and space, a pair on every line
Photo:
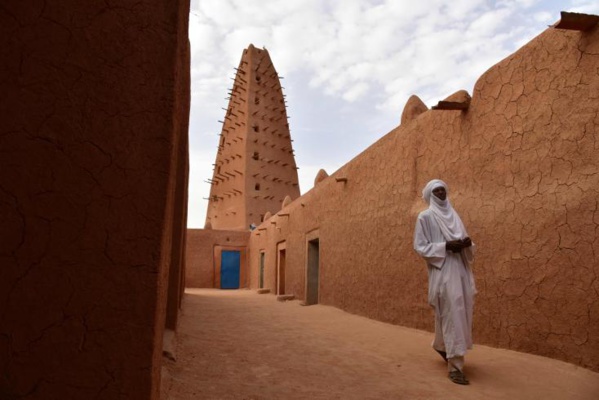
91, 135
200, 258
523, 173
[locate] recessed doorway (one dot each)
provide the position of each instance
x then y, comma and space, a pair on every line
312, 272
281, 258
261, 277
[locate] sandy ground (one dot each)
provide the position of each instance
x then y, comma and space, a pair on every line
242, 345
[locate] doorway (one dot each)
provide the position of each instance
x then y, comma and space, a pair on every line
261, 278
281, 256
312, 272
229, 269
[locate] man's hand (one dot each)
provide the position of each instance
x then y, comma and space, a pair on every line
454, 246
466, 242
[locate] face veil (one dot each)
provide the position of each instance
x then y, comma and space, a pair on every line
448, 219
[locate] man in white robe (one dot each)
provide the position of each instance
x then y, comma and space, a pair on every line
441, 239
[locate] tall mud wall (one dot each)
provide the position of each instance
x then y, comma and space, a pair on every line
92, 145
523, 172
203, 251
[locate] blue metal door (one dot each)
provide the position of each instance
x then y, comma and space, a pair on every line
229, 270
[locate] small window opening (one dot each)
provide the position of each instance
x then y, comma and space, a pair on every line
256, 100
256, 128
256, 155
257, 186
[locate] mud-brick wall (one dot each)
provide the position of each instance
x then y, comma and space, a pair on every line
92, 145
254, 168
203, 252
523, 173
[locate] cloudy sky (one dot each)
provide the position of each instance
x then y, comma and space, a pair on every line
349, 66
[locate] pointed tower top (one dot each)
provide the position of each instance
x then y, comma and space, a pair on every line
255, 167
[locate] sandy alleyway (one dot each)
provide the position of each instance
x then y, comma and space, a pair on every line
241, 345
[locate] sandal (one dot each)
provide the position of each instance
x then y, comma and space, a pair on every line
442, 354
458, 377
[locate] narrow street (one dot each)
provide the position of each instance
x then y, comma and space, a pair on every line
242, 345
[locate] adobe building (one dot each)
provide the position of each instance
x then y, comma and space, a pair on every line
255, 169
254, 173
520, 158
93, 195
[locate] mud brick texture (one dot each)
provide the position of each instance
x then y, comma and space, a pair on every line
522, 167
93, 143
203, 251
255, 168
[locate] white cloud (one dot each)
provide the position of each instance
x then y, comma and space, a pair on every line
517, 3
489, 22
544, 17
584, 6
353, 93
199, 171
371, 55
307, 174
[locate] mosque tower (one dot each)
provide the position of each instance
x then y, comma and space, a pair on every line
255, 168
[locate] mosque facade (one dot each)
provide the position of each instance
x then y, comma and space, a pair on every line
519, 156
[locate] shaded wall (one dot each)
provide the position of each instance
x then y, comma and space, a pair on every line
523, 173
92, 133
179, 182
202, 256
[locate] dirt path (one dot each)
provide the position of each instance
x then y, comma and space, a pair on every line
241, 345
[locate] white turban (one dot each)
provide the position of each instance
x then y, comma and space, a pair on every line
448, 220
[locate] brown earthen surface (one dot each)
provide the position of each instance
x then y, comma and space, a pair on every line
178, 182
94, 110
255, 168
201, 259
413, 108
320, 176
242, 345
461, 96
459, 100
286, 201
523, 173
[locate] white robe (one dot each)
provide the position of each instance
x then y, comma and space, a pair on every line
450, 286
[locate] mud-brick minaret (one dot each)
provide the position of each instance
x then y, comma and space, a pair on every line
255, 167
